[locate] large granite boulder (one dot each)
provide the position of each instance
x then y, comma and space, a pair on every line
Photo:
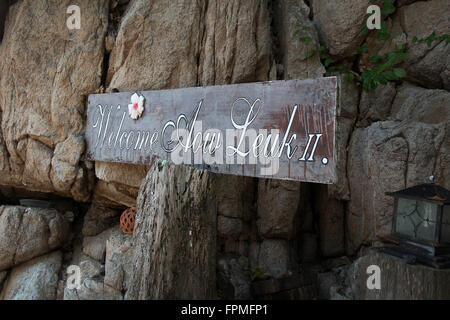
340, 24
392, 155
26, 233
46, 72
36, 279
398, 280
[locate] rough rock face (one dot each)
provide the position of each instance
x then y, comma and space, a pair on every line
92, 286
233, 274
293, 15
376, 105
119, 255
36, 279
236, 43
277, 208
340, 24
174, 236
95, 247
150, 46
271, 257
236, 196
347, 112
399, 281
331, 223
26, 233
392, 155
119, 183
98, 219
46, 73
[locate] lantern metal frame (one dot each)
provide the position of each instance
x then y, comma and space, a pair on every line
434, 253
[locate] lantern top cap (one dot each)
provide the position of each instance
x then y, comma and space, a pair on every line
427, 191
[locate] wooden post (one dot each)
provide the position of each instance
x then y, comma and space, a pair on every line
175, 235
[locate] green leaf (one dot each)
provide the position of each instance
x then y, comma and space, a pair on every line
375, 59
388, 8
321, 48
400, 73
306, 39
304, 28
389, 75
430, 39
296, 32
310, 53
402, 55
383, 36
327, 62
445, 37
382, 80
350, 77
415, 39
365, 30
362, 50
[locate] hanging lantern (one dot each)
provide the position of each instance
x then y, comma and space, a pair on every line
127, 220
421, 225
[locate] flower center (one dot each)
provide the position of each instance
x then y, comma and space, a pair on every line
135, 106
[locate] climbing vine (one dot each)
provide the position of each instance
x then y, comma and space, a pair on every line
383, 68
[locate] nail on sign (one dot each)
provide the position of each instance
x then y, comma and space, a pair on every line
278, 129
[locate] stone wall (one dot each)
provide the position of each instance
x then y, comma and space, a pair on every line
267, 231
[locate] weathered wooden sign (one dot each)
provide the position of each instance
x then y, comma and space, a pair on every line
277, 129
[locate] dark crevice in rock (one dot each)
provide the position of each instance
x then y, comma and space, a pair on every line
75, 238
311, 12
3, 13
275, 27
4, 8
117, 9
202, 41
105, 69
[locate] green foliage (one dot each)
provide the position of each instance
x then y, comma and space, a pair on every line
384, 67
257, 273
304, 38
388, 7
310, 53
384, 70
382, 33
432, 38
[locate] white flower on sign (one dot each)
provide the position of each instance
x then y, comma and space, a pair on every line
136, 107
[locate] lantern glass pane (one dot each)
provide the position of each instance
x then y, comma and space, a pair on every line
416, 219
445, 229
